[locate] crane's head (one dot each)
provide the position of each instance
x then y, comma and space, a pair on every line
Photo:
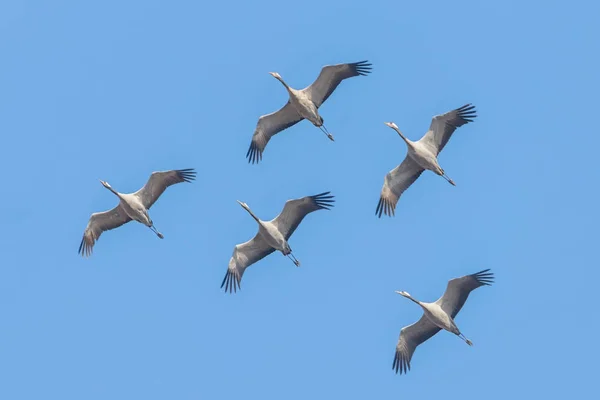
405, 294
392, 125
275, 75
244, 205
105, 184
395, 127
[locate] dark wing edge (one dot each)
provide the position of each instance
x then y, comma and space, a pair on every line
466, 114
401, 363
458, 290
452, 120
85, 249
186, 175
408, 343
98, 223
386, 206
266, 128
244, 255
484, 277
232, 280
322, 201
300, 208
159, 181
332, 75
362, 68
388, 199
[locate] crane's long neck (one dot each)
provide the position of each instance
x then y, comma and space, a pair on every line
408, 296
283, 83
408, 142
252, 214
114, 191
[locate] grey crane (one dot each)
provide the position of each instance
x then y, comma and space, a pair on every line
272, 235
302, 104
421, 155
132, 206
437, 316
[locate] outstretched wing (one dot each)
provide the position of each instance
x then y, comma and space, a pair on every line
244, 255
160, 181
443, 126
331, 76
395, 183
267, 127
98, 223
458, 290
410, 337
294, 212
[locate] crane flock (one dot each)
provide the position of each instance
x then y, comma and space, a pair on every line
274, 235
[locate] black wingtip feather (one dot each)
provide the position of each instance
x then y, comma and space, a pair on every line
484, 277
254, 155
231, 282
84, 248
385, 207
467, 113
362, 67
323, 200
400, 364
80, 251
187, 174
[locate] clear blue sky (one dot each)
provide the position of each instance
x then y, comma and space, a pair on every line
117, 89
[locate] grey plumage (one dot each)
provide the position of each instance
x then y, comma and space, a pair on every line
421, 155
132, 206
438, 315
302, 104
272, 235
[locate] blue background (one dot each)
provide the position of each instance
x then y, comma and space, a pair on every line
114, 90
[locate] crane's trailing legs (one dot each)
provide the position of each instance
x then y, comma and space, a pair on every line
325, 131
446, 177
153, 229
460, 335
450, 181
294, 259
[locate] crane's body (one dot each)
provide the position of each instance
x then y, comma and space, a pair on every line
421, 155
132, 207
305, 106
272, 236
302, 104
436, 316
